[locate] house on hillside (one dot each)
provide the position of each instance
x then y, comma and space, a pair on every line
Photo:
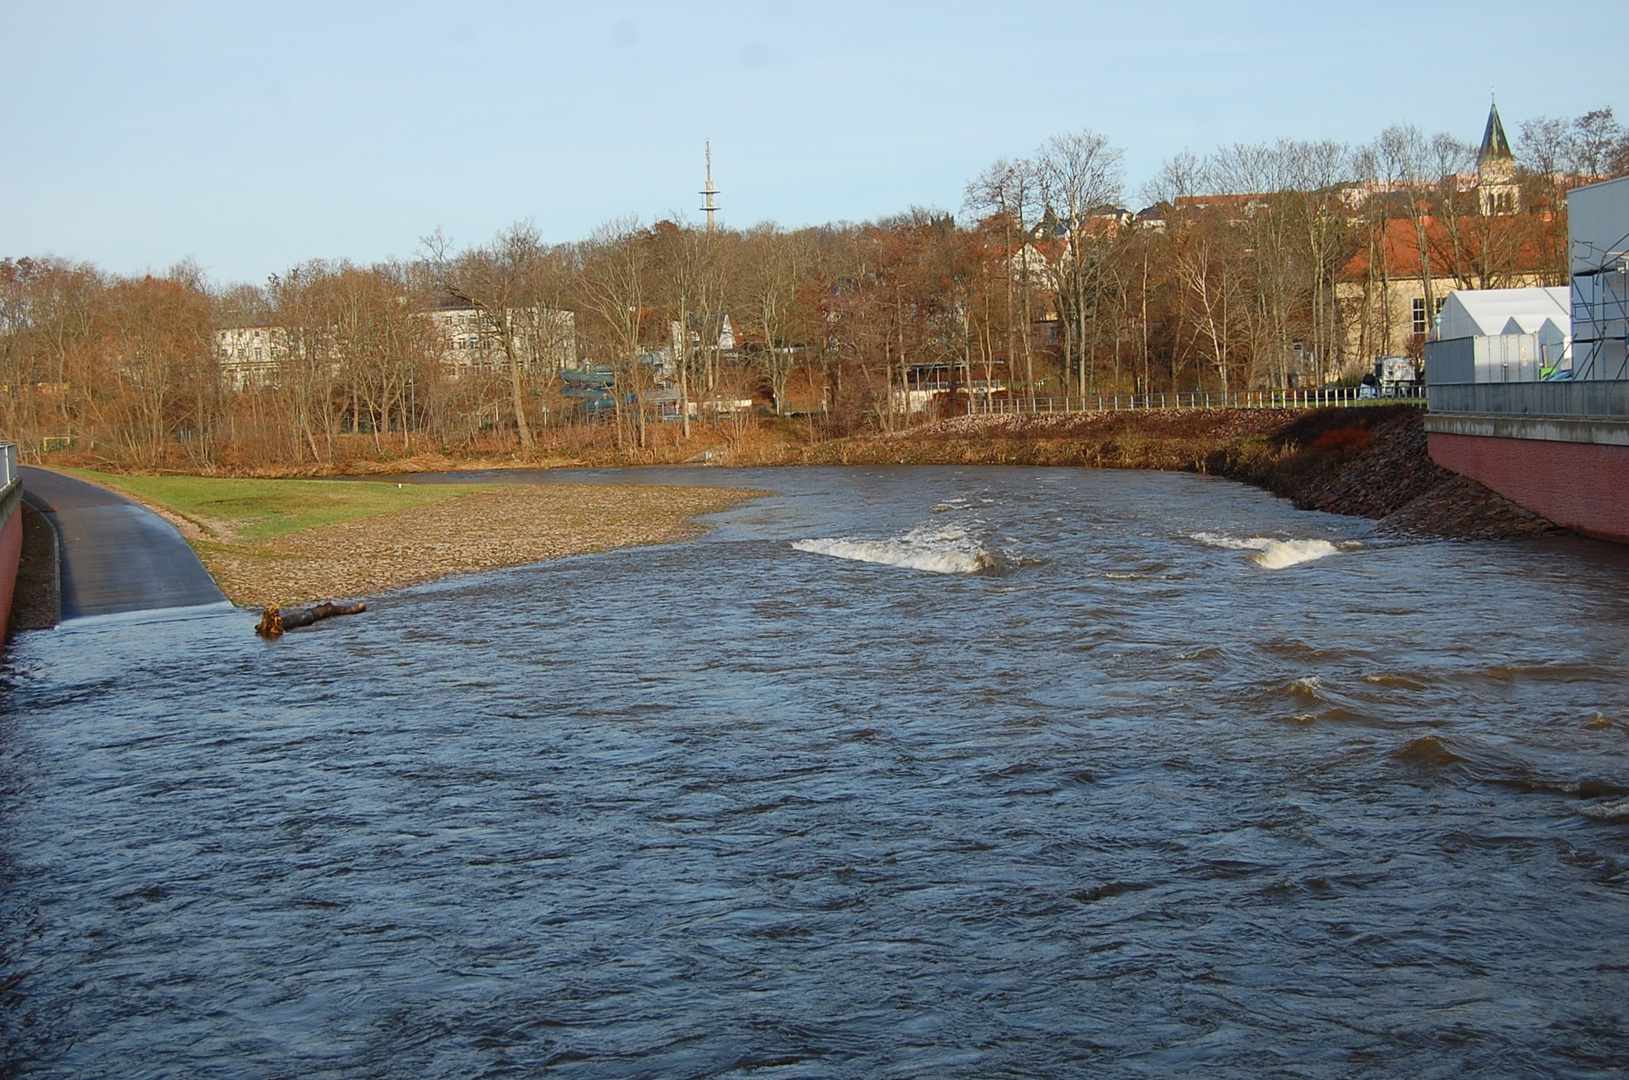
544, 340
250, 356
1392, 289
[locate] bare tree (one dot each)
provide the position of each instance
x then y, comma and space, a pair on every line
1596, 140
688, 272
1010, 191
776, 264
1081, 183
500, 280
614, 288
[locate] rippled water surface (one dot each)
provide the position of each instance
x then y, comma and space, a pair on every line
959, 772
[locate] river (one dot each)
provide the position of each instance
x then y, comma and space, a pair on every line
896, 772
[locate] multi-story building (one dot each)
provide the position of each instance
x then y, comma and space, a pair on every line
251, 355
470, 342
543, 340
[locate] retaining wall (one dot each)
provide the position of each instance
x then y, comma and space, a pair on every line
1583, 486
11, 531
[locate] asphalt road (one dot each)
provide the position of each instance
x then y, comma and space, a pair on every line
116, 556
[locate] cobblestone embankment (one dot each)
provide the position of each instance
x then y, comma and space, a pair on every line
1368, 462
1374, 463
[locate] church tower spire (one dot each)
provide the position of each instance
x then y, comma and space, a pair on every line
1494, 143
1496, 186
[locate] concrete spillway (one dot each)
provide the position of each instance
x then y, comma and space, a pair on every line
116, 556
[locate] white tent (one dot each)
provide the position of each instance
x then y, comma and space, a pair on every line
1500, 335
1493, 312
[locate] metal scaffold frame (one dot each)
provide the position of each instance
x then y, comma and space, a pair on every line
1600, 309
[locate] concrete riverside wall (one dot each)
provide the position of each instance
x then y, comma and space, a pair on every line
11, 531
1583, 486
11, 550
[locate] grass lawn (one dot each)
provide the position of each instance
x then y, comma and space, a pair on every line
249, 510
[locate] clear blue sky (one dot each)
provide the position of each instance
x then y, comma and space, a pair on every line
252, 136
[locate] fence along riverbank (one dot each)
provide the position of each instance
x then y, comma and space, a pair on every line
1330, 397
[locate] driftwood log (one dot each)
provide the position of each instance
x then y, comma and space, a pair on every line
273, 620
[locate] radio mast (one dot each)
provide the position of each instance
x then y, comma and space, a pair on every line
708, 203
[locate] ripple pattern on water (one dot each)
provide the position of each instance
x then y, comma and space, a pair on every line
1133, 807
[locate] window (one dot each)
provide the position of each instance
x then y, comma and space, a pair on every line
1419, 315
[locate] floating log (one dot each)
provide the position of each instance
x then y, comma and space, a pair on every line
273, 620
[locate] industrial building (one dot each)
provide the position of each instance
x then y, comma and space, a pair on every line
1598, 234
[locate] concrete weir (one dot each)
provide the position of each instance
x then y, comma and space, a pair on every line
116, 556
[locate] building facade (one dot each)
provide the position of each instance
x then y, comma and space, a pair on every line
1391, 291
469, 342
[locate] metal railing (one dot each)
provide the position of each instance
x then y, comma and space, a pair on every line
1198, 399
1584, 399
8, 467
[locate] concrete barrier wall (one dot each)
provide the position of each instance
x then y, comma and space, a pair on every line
11, 531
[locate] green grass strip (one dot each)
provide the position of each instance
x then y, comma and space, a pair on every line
260, 509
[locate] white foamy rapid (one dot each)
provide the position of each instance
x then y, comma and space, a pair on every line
1272, 554
940, 551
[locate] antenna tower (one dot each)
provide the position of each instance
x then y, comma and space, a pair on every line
708, 203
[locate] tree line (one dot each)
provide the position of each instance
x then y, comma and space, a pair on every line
1238, 272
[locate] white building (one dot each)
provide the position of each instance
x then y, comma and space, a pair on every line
250, 355
1598, 231
544, 340
470, 342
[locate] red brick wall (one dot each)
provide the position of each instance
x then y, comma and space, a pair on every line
1583, 486
11, 549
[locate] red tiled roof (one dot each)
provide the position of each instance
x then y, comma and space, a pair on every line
1517, 243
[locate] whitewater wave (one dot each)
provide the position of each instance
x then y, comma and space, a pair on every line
1271, 554
1309, 687
1616, 812
939, 551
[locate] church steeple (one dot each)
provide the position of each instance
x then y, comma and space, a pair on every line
1496, 185
1494, 144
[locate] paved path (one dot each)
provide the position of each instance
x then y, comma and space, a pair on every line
116, 556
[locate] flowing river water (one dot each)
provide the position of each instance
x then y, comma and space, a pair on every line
897, 772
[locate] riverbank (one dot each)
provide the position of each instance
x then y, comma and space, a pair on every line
505, 526
295, 542
1367, 462
1375, 463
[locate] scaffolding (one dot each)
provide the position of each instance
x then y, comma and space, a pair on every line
1600, 319
1599, 260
